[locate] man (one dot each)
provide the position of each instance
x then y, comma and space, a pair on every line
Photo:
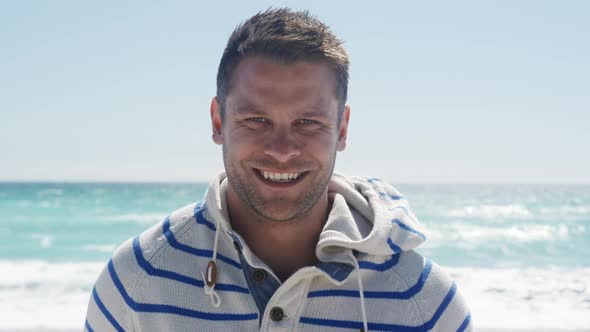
280, 242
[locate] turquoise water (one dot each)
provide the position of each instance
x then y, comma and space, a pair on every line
81, 222
505, 225
520, 252
468, 225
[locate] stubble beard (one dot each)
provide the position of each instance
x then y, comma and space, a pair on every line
242, 182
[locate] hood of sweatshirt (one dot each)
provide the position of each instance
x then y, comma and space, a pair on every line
368, 216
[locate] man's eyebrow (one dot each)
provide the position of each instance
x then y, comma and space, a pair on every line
308, 112
313, 112
248, 109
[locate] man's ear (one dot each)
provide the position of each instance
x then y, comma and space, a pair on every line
343, 130
216, 121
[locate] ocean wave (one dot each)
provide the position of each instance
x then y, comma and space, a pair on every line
108, 248
518, 233
50, 192
98, 191
526, 298
44, 240
565, 210
470, 235
39, 295
513, 211
56, 203
145, 218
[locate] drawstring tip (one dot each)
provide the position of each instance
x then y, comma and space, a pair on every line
209, 284
211, 277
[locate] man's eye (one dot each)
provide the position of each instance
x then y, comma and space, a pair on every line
307, 122
257, 119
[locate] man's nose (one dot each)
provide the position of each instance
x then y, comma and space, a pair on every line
282, 145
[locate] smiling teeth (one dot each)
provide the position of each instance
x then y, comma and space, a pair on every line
280, 177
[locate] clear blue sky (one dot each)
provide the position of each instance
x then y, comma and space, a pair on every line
441, 91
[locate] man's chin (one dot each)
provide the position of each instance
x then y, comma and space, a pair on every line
279, 214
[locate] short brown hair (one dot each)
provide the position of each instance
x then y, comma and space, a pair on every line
286, 36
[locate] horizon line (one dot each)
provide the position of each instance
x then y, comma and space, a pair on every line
172, 182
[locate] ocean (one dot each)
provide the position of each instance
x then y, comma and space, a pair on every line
520, 254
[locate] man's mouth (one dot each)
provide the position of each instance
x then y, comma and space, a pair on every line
280, 177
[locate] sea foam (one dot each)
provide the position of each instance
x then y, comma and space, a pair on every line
43, 295
526, 298
513, 211
140, 218
468, 234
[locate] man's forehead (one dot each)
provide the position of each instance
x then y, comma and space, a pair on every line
258, 80
261, 69
305, 109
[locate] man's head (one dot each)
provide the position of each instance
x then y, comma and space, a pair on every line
280, 112
285, 36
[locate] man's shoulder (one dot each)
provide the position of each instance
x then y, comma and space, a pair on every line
157, 237
409, 270
431, 288
412, 265
136, 254
421, 272
138, 262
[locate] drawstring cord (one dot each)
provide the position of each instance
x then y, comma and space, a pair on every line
211, 274
361, 291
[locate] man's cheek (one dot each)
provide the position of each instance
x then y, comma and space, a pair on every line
320, 143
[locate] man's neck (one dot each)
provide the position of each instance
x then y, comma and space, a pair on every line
285, 246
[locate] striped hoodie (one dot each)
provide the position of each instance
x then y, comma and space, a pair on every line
369, 276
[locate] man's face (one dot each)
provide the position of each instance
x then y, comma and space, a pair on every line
280, 134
